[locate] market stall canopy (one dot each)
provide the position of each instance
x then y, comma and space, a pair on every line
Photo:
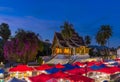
79, 64
21, 68
52, 70
76, 71
102, 66
68, 67
2, 71
43, 67
59, 75
16, 80
95, 67
79, 78
110, 70
52, 80
59, 66
93, 63
40, 78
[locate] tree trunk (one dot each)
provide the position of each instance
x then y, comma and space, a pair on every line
26, 58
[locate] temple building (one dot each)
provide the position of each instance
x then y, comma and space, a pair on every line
72, 46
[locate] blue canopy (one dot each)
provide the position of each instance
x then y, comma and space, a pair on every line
76, 66
1, 70
16, 80
52, 70
116, 63
68, 67
105, 81
102, 66
94, 67
71, 66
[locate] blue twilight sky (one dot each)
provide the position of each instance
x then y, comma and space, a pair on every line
46, 16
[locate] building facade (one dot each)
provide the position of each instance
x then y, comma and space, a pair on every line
72, 46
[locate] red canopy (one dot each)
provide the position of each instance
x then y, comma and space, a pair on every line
59, 75
78, 71
79, 64
79, 78
40, 78
43, 67
117, 59
110, 70
21, 68
59, 65
92, 63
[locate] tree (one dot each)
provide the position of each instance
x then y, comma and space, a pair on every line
67, 30
1, 50
87, 40
103, 34
23, 47
5, 32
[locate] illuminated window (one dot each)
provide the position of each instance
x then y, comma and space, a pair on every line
58, 50
87, 50
77, 50
67, 51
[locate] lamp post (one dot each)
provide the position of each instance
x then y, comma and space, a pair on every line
86, 64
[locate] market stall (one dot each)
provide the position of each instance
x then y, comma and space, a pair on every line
41, 69
1, 75
21, 71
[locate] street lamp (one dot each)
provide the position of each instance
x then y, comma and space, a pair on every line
86, 64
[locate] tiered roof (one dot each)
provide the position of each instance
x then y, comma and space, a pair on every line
74, 41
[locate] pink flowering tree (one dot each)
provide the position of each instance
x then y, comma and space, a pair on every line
22, 48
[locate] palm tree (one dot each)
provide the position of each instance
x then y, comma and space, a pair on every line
103, 36
67, 30
87, 40
5, 32
100, 39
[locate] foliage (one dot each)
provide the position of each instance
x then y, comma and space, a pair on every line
47, 50
40, 45
104, 33
1, 50
103, 36
5, 31
1, 46
23, 47
5, 34
40, 60
87, 40
67, 30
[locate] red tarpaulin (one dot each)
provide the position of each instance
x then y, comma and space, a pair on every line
21, 68
59, 66
78, 71
40, 78
109, 70
79, 78
59, 75
43, 67
92, 63
79, 64
88, 63
117, 59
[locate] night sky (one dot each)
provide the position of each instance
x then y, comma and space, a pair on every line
46, 16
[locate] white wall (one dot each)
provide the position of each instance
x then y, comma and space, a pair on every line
118, 52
